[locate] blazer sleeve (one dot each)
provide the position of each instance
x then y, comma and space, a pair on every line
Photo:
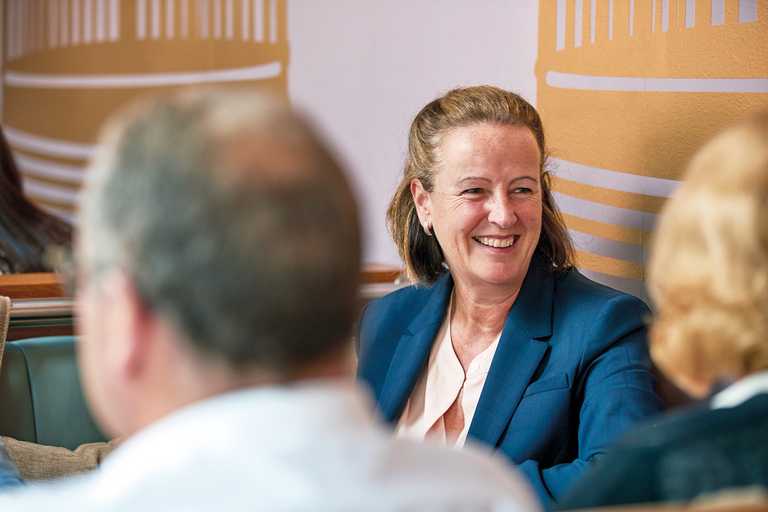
615, 390
625, 475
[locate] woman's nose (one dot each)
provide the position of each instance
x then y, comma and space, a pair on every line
501, 212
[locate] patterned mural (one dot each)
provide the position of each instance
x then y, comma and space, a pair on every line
628, 89
70, 63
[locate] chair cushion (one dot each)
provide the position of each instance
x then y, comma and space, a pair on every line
40, 462
40, 383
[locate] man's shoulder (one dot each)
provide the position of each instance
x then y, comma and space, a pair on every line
366, 470
468, 479
64, 493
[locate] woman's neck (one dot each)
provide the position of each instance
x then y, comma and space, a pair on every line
482, 311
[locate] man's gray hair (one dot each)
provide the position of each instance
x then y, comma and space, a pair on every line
233, 220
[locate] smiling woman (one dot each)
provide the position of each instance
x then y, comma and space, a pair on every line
502, 341
485, 205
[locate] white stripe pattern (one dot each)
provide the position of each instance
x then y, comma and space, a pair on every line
184, 19
155, 19
604, 213
613, 180
258, 21
170, 19
101, 20
217, 19
690, 13
114, 20
609, 248
35, 80
49, 192
35, 25
747, 11
649, 84
45, 169
47, 146
718, 12
229, 17
560, 24
246, 15
141, 19
610, 20
578, 23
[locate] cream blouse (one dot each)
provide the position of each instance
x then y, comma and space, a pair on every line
441, 384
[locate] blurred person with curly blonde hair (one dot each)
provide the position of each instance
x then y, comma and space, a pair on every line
708, 277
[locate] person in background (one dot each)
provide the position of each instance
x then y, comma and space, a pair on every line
708, 277
26, 231
501, 342
219, 257
9, 475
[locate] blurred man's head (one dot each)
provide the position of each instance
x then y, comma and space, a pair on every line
219, 249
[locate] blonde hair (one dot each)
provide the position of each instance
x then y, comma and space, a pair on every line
708, 272
421, 253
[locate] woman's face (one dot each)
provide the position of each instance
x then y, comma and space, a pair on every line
485, 206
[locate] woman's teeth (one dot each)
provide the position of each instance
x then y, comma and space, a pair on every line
498, 243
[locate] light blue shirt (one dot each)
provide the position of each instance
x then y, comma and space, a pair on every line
9, 475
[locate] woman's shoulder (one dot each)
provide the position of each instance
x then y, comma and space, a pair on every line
596, 317
404, 302
407, 294
574, 288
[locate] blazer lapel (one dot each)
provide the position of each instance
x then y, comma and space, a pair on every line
517, 357
413, 350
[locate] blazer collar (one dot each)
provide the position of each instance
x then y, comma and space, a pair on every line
514, 363
532, 311
521, 349
413, 350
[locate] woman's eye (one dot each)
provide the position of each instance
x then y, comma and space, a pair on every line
522, 190
471, 191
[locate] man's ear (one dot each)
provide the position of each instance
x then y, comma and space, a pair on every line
129, 323
423, 202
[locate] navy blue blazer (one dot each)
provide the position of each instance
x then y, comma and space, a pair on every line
571, 372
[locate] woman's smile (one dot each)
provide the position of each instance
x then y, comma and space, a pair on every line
494, 242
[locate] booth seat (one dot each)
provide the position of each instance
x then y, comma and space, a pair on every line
41, 400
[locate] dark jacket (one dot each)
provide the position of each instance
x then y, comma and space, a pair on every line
678, 458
